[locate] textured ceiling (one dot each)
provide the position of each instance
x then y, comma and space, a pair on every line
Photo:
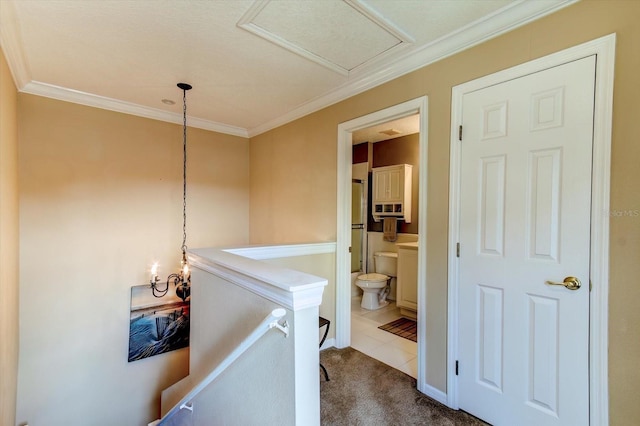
390, 130
253, 65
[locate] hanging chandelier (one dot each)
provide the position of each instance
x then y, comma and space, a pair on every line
182, 279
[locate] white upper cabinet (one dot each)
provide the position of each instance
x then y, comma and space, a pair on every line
392, 192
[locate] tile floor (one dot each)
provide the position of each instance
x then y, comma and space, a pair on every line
396, 351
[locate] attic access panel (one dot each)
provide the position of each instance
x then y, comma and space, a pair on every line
341, 35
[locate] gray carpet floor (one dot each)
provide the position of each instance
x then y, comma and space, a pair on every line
364, 391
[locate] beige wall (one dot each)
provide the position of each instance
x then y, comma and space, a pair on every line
321, 265
100, 200
8, 245
293, 168
293, 183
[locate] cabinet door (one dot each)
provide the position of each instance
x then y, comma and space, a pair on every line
380, 185
395, 185
389, 185
407, 288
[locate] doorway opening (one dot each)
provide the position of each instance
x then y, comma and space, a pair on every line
387, 146
346, 133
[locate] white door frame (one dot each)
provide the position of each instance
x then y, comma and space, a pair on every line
343, 271
604, 48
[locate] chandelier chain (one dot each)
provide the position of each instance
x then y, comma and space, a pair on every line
184, 171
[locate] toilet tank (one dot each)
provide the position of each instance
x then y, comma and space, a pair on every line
386, 262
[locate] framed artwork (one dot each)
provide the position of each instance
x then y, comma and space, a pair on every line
157, 324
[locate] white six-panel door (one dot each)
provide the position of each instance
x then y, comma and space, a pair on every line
525, 199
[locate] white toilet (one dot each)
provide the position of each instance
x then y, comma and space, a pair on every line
374, 286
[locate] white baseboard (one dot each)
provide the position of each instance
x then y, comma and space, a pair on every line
434, 393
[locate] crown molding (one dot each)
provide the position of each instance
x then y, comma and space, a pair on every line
512, 16
12, 46
88, 99
19, 67
515, 15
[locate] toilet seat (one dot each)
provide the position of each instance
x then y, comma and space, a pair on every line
373, 278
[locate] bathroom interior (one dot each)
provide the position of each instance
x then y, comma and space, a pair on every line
384, 242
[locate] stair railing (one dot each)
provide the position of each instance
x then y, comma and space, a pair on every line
271, 321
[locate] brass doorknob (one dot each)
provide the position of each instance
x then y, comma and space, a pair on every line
572, 283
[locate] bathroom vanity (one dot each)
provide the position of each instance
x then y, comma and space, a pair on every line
407, 284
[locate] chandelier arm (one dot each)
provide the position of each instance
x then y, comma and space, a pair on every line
174, 279
159, 292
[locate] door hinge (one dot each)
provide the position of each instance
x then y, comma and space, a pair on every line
460, 133
349, 249
456, 368
457, 249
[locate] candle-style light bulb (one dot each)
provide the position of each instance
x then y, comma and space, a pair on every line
185, 273
154, 273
